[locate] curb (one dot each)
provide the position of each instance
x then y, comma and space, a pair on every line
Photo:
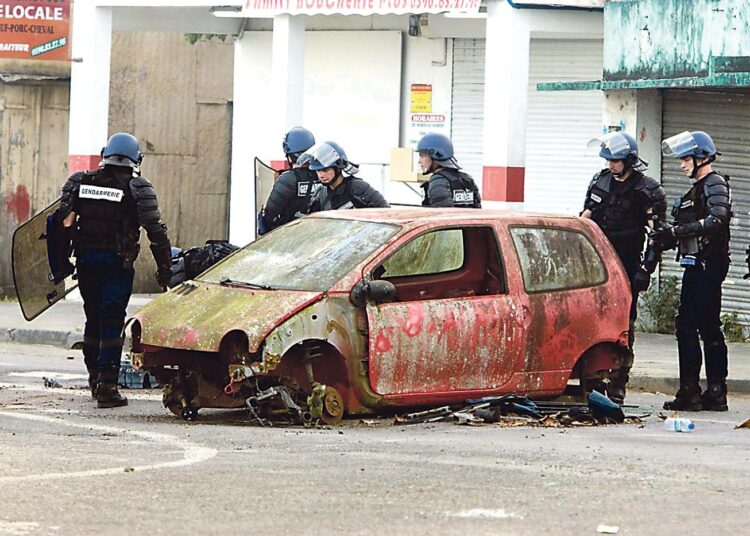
669, 386
64, 339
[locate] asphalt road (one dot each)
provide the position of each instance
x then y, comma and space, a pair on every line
69, 468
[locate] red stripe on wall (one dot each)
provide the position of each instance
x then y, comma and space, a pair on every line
501, 183
77, 162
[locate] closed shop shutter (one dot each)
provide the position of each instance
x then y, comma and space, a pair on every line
467, 106
725, 116
559, 125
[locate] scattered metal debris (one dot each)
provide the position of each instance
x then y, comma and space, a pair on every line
51, 383
514, 410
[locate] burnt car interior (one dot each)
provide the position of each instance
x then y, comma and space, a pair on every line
446, 263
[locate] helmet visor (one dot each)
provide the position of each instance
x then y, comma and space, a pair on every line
324, 156
679, 145
614, 142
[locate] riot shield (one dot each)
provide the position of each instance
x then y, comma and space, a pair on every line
265, 176
32, 276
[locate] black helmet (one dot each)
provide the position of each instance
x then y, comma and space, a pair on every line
122, 149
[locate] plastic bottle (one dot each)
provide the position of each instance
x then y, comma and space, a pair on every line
679, 424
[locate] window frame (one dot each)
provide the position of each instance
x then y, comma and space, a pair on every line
503, 271
571, 230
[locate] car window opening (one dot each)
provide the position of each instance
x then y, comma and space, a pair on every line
447, 263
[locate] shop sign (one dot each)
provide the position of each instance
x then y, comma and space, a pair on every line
270, 8
35, 29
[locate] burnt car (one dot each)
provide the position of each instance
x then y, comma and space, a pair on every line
361, 311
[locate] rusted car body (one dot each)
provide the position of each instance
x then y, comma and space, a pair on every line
357, 311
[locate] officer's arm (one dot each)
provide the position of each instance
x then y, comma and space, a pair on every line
657, 203
282, 194
439, 192
717, 202
367, 196
149, 218
69, 194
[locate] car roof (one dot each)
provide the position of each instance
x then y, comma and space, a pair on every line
423, 215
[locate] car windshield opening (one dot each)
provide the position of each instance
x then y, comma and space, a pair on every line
308, 254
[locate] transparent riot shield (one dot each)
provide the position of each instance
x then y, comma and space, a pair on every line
265, 176
32, 275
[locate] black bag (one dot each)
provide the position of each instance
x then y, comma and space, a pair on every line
190, 263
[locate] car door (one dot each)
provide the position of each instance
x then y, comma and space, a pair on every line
453, 326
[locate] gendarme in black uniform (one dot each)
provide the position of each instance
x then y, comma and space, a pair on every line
700, 297
451, 188
106, 209
353, 192
290, 196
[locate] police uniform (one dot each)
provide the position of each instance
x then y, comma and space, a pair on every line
111, 205
704, 249
290, 197
451, 188
622, 209
353, 192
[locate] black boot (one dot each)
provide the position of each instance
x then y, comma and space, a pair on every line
715, 397
93, 384
688, 398
107, 395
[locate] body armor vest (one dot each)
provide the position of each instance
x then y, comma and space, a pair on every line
307, 183
693, 206
464, 192
106, 211
615, 208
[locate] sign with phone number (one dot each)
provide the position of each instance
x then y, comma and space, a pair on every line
257, 8
35, 29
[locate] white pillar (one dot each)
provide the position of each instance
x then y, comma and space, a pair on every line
288, 69
506, 80
89, 84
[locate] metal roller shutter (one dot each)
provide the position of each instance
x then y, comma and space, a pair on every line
559, 124
467, 105
559, 166
725, 116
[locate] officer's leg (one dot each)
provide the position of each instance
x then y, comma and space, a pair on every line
88, 286
715, 349
688, 345
115, 294
619, 381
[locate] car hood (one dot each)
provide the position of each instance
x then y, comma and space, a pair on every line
196, 316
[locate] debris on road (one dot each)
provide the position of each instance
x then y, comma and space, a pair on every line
514, 410
607, 529
51, 383
745, 424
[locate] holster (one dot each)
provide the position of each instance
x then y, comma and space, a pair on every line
128, 247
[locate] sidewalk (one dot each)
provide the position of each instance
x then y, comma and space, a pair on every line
655, 366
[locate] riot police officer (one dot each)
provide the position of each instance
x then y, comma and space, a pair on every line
623, 201
701, 234
291, 192
340, 188
448, 186
105, 209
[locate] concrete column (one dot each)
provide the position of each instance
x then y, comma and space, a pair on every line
639, 113
89, 84
288, 67
505, 101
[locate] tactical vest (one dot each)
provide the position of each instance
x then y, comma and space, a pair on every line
106, 211
464, 191
615, 208
340, 198
693, 206
307, 184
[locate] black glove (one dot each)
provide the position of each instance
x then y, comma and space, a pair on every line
641, 281
163, 277
747, 261
664, 236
